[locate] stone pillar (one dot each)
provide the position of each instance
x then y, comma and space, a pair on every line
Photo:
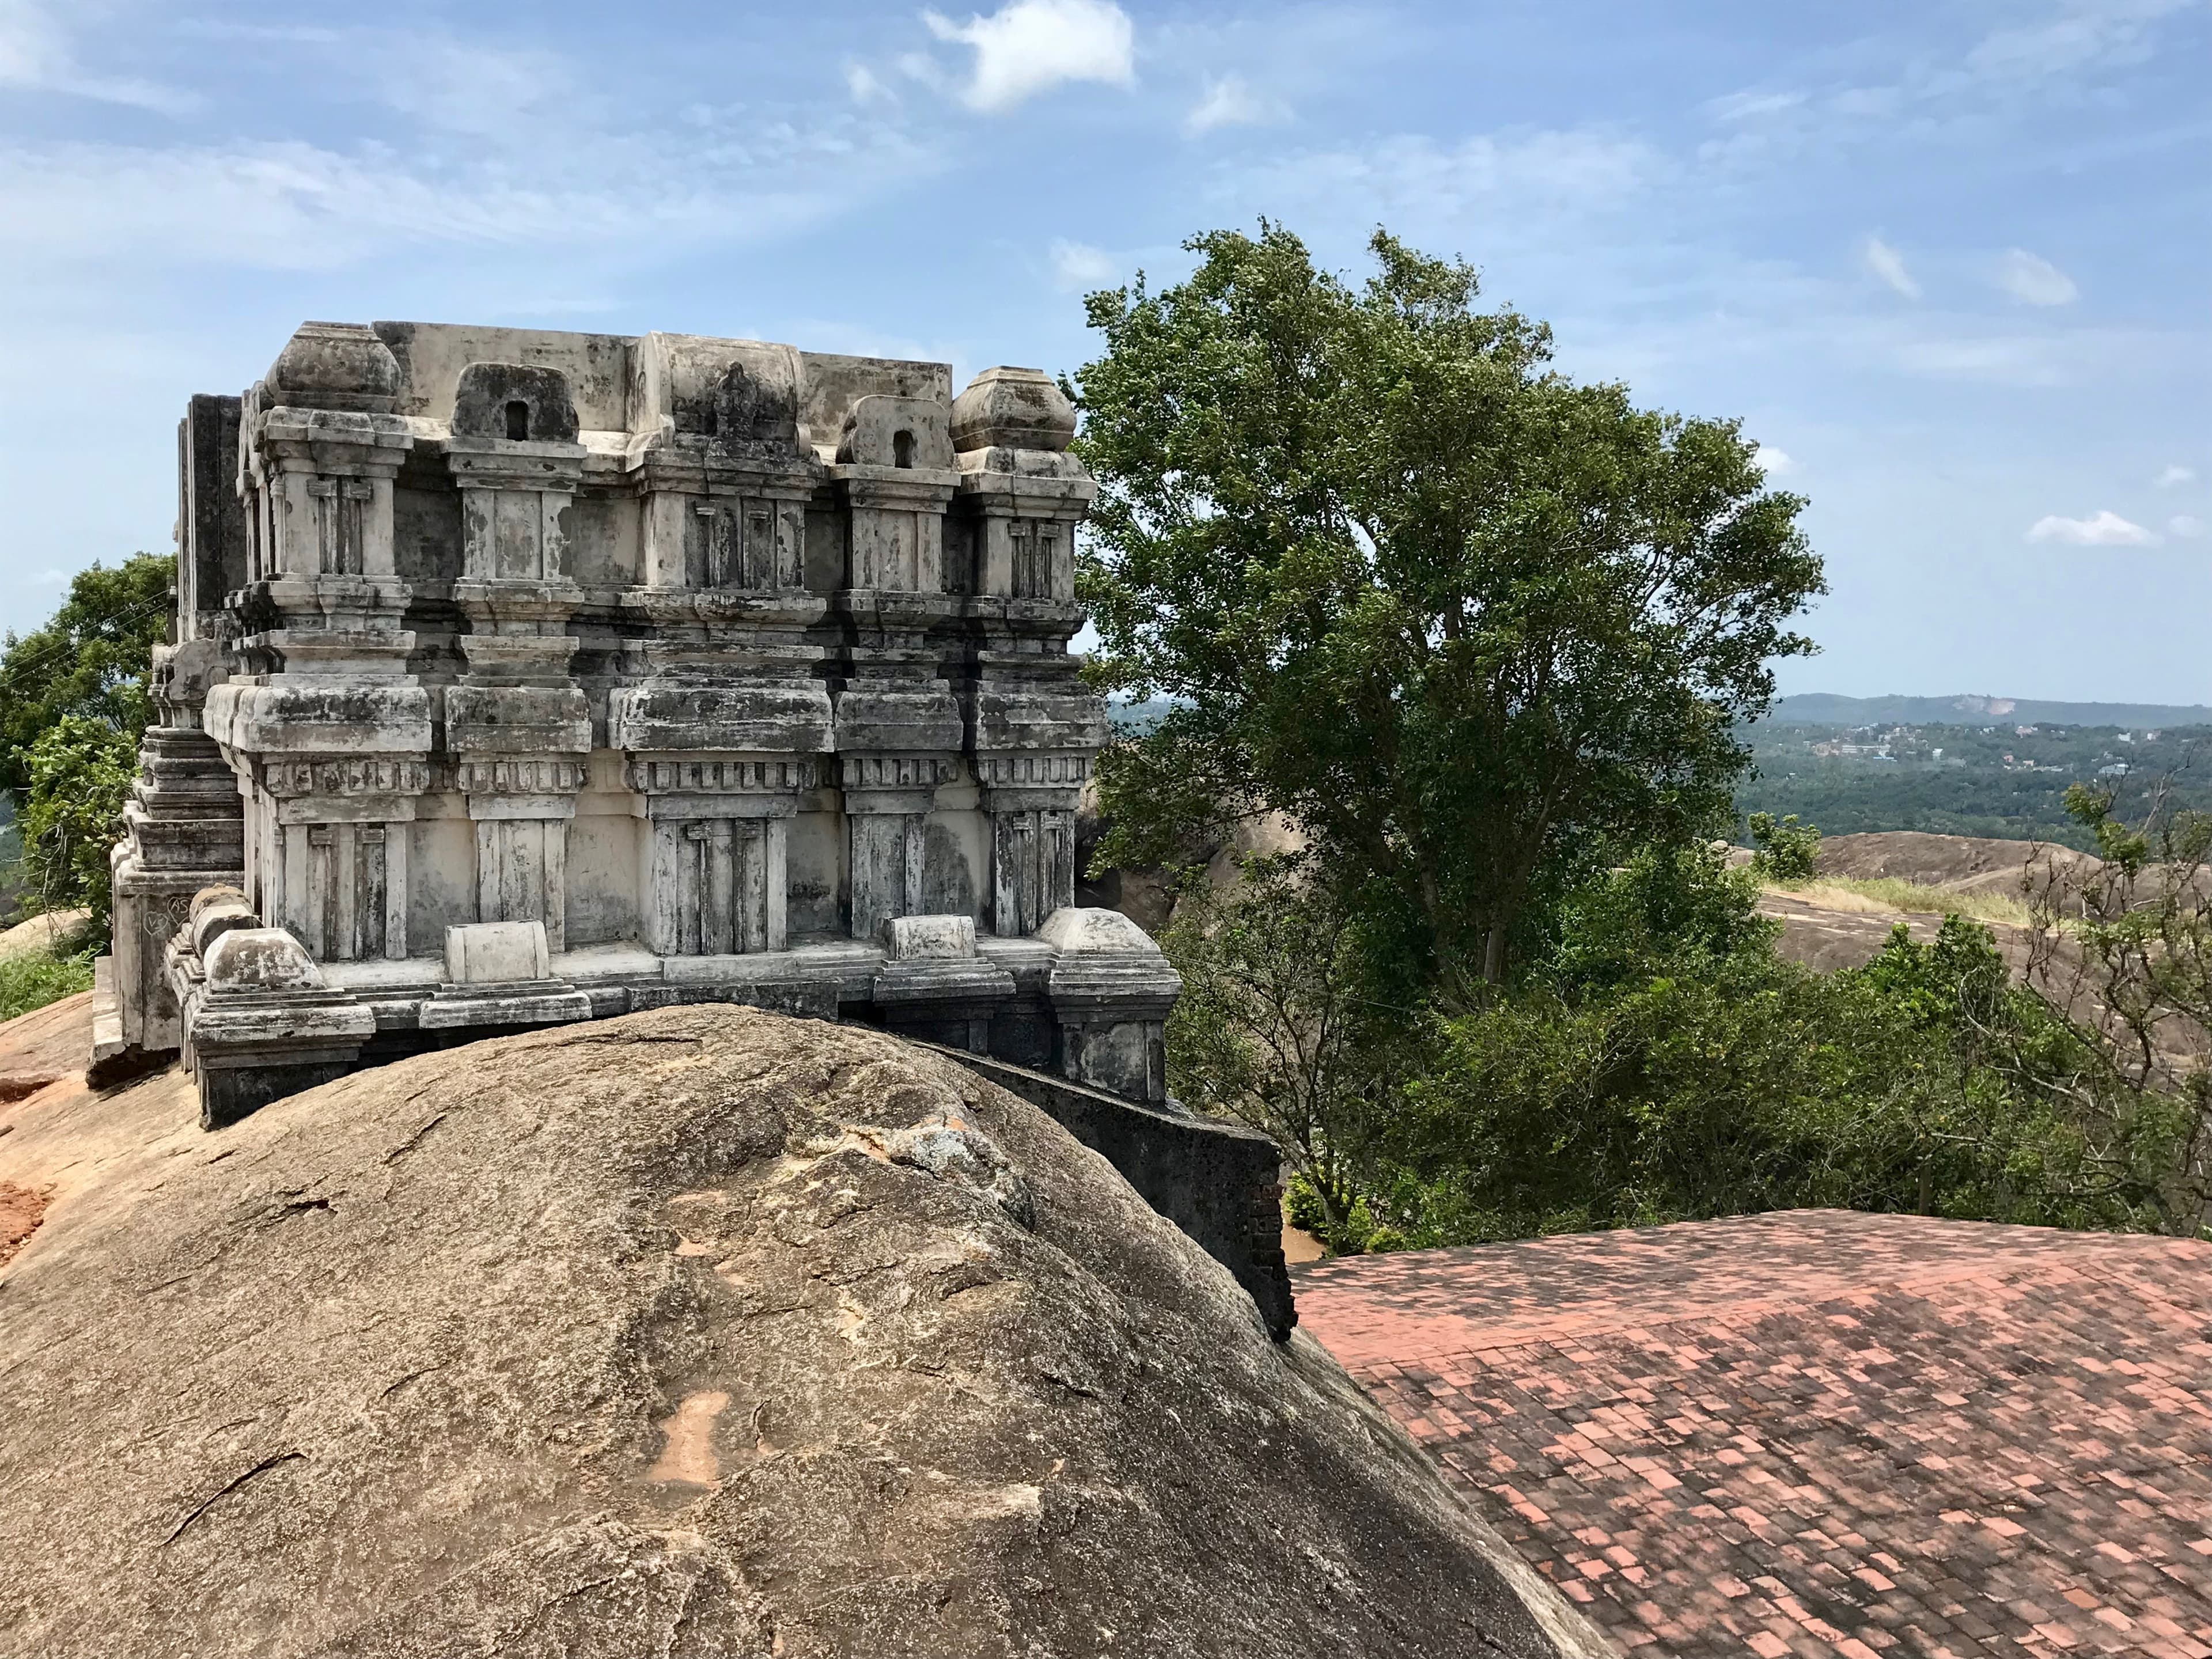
1032, 802
888, 801
898, 727
723, 718
183, 830
1031, 728
714, 874
517, 729
326, 859
325, 729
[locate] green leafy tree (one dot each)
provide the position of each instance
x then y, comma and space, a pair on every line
1787, 850
73, 700
2127, 943
1464, 621
1274, 1027
81, 775
89, 661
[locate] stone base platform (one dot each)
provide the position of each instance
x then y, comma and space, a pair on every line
261, 1019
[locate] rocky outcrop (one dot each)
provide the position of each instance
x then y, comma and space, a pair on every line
698, 1331
1958, 864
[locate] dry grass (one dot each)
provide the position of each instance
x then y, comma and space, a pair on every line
1881, 895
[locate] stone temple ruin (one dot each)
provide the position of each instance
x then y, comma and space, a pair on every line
522, 677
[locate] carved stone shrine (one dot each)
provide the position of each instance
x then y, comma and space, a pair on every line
522, 677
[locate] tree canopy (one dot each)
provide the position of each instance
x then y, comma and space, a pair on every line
1466, 621
89, 661
73, 700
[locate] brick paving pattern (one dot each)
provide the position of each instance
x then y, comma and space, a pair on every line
1818, 1433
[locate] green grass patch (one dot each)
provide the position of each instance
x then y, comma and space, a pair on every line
1874, 893
36, 978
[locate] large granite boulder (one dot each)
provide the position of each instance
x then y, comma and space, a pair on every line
698, 1331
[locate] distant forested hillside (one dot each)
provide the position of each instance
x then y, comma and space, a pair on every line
1821, 708
2006, 778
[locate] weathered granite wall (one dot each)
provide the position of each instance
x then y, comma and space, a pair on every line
1220, 1182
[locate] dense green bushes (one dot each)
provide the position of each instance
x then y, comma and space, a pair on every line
37, 978
1659, 1062
73, 701
81, 772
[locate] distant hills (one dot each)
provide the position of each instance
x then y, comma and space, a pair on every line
1824, 708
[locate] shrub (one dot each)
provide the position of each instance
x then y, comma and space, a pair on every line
36, 978
1788, 851
81, 772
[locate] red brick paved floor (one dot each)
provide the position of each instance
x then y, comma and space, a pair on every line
1818, 1433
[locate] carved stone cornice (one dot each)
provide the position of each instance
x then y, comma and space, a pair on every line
1020, 769
342, 775
516, 774
904, 772
722, 775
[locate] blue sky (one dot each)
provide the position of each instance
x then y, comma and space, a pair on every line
1948, 261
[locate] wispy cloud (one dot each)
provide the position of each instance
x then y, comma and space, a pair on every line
1077, 265
1028, 46
1996, 359
2075, 35
1522, 179
2034, 281
1944, 94
302, 207
1886, 262
2174, 477
2183, 528
1231, 102
866, 86
2103, 529
1751, 106
36, 55
1773, 462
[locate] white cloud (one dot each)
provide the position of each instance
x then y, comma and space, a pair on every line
1079, 265
1229, 102
1772, 461
300, 207
1750, 106
1029, 45
2105, 529
484, 92
864, 85
2174, 477
2184, 527
1886, 262
2003, 360
36, 55
2035, 281
2086, 35
1522, 180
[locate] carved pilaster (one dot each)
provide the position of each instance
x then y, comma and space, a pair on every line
326, 850
888, 800
715, 862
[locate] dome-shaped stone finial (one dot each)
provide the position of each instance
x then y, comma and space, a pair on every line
336, 366
1012, 409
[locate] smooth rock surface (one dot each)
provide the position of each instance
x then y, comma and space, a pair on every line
702, 1332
